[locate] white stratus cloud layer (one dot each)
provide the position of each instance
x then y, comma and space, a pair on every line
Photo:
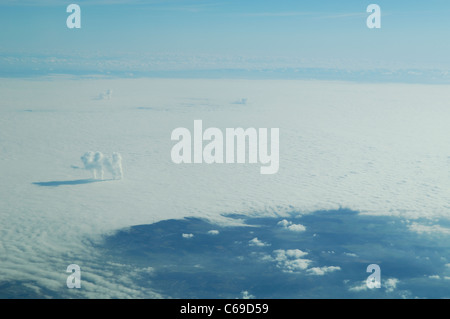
375, 148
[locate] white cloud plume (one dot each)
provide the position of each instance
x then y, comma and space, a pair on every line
107, 95
96, 162
213, 232
187, 235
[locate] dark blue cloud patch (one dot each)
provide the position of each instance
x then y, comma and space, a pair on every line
324, 256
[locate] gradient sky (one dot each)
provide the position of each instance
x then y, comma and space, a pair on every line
413, 33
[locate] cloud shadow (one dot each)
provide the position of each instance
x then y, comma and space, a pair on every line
70, 182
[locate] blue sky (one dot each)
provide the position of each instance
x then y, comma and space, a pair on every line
413, 33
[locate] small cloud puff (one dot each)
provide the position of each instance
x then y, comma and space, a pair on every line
256, 242
320, 271
390, 284
246, 295
290, 226
213, 232
360, 287
242, 101
107, 95
187, 235
296, 227
284, 223
291, 260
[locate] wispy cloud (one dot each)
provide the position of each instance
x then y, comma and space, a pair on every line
79, 2
276, 14
169, 5
315, 15
343, 15
431, 229
389, 284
